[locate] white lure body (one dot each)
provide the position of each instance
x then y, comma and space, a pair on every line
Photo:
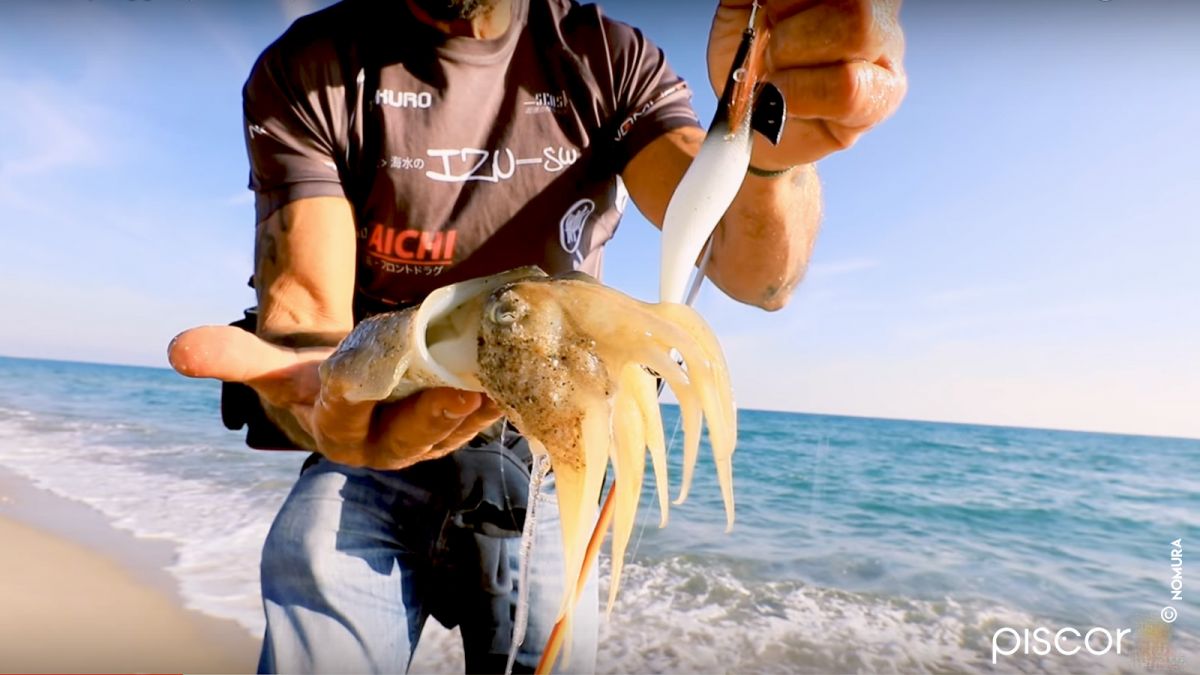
699, 203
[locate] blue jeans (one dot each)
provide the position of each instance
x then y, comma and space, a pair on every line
357, 560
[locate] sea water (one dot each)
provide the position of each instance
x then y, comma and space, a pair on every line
860, 544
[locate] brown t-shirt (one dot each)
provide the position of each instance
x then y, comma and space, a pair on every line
461, 157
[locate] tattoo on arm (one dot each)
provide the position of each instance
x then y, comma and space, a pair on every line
266, 248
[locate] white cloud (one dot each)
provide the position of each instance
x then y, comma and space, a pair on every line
55, 128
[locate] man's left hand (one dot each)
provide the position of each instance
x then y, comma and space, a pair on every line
837, 62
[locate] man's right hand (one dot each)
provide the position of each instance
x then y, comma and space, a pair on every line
385, 436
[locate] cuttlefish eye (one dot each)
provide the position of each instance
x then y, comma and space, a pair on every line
506, 309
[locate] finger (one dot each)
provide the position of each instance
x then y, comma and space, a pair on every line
828, 32
231, 354
471, 426
339, 425
804, 142
476, 422
226, 353
855, 94
423, 420
452, 403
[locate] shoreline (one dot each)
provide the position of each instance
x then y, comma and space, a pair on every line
82, 596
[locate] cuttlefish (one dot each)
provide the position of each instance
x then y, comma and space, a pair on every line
572, 363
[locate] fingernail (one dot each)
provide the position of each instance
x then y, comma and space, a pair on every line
450, 414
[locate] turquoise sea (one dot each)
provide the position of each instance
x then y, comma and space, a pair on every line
860, 544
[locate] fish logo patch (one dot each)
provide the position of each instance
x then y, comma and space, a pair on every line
571, 227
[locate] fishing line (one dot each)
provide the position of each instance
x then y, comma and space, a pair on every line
698, 279
642, 530
541, 466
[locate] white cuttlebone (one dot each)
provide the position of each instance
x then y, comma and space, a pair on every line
698, 204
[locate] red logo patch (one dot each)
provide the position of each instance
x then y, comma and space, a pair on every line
412, 247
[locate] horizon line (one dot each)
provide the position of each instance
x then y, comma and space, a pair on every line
767, 410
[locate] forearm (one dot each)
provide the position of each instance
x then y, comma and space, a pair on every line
762, 246
304, 272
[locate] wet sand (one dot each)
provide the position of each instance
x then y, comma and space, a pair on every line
79, 596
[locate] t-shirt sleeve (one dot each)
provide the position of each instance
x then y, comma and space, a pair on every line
289, 106
650, 98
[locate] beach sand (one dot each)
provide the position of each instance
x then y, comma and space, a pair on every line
77, 595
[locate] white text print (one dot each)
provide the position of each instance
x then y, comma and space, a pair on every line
459, 165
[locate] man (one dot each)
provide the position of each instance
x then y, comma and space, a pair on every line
396, 149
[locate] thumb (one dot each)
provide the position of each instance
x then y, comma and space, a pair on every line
231, 354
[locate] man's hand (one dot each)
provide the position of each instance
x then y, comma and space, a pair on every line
837, 62
426, 425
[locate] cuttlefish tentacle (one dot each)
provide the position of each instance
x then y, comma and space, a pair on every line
719, 407
629, 465
703, 390
646, 393
578, 488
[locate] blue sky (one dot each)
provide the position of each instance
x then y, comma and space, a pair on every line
1017, 245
